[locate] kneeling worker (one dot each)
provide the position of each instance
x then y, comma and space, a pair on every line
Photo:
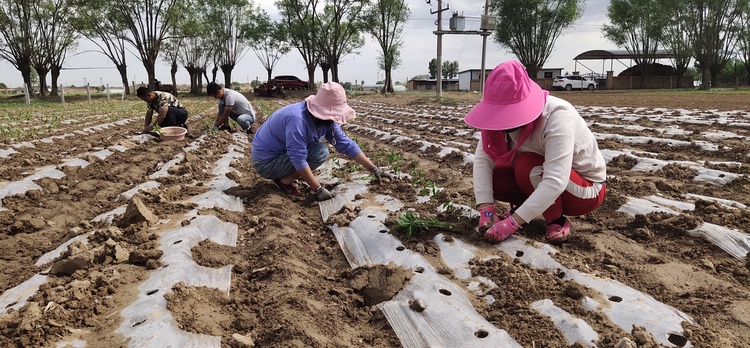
289, 145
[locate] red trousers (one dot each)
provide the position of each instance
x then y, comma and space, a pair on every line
514, 183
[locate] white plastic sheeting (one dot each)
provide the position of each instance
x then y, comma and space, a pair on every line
147, 322
642, 206
449, 319
733, 242
574, 329
16, 297
26, 184
52, 255
625, 306
140, 187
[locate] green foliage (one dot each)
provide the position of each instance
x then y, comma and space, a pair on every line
347, 85
529, 28
450, 69
638, 26
432, 67
411, 223
3, 85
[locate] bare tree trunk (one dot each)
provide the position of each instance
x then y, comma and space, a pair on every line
706, 78
151, 72
311, 76
55, 73
42, 73
388, 87
174, 77
123, 69
214, 71
226, 69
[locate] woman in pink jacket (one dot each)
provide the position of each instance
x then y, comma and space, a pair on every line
536, 153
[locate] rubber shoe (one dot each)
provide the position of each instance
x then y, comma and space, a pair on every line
288, 188
557, 234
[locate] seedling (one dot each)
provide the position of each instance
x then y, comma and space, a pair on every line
411, 223
157, 130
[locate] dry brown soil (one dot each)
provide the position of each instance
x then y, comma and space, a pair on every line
291, 284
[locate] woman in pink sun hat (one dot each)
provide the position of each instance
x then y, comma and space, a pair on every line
290, 144
535, 153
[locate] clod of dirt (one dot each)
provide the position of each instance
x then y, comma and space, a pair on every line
242, 341
70, 266
573, 290
140, 257
137, 212
379, 283
625, 342
643, 338
417, 305
642, 233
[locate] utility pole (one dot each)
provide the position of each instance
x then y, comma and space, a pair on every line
484, 47
439, 33
457, 27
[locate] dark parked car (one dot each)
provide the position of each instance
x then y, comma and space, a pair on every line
289, 82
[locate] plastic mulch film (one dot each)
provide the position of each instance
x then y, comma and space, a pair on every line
448, 320
146, 321
733, 242
624, 305
27, 184
16, 297
575, 330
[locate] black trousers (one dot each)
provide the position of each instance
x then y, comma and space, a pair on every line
175, 117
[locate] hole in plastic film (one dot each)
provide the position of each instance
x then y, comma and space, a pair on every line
519, 253
419, 269
151, 292
677, 340
400, 248
615, 299
481, 333
178, 242
445, 292
383, 231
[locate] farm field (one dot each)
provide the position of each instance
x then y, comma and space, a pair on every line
109, 238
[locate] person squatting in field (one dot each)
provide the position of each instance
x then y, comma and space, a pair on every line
289, 145
536, 153
169, 110
232, 105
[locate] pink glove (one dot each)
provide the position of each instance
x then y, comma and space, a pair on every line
487, 215
501, 230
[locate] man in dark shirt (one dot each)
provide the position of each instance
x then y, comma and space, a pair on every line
169, 110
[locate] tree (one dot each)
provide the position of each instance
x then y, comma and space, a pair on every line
228, 18
338, 33
450, 69
92, 20
529, 28
432, 66
385, 21
639, 26
713, 28
743, 42
148, 23
3, 86
16, 27
299, 19
676, 39
58, 35
268, 40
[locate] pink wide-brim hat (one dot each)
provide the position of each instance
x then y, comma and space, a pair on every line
330, 104
511, 99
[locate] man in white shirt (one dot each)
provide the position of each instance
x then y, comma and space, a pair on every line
234, 105
536, 153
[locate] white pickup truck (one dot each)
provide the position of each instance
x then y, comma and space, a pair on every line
573, 82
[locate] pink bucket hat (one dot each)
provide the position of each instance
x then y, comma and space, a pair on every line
330, 104
511, 99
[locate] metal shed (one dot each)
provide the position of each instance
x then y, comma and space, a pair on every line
616, 55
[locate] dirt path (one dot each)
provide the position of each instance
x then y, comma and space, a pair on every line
287, 282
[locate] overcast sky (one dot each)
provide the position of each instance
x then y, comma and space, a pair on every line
420, 46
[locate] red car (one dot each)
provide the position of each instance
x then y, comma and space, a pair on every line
289, 82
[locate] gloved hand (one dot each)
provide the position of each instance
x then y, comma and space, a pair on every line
379, 174
501, 230
214, 129
322, 194
486, 215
